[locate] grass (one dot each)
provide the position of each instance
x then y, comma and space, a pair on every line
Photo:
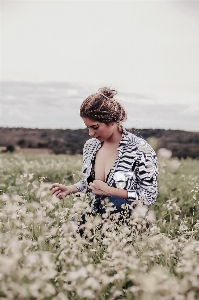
43, 257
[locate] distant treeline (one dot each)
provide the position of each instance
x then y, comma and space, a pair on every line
183, 144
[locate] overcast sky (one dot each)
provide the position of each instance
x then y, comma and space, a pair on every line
56, 53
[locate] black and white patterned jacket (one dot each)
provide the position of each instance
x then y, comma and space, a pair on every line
135, 168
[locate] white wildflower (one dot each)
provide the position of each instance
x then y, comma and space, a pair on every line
164, 153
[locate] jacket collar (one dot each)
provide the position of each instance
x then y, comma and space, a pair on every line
124, 139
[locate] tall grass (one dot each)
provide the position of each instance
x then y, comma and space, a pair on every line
43, 256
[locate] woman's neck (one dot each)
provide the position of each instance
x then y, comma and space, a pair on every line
115, 138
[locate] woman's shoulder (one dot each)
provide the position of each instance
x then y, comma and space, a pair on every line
141, 145
90, 143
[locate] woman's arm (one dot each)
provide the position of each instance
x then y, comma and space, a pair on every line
82, 184
99, 187
147, 180
61, 191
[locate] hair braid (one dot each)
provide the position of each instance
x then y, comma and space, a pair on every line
103, 107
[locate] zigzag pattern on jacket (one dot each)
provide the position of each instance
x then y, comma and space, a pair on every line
137, 162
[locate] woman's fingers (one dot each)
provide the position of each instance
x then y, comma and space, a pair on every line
59, 195
55, 190
92, 185
99, 184
95, 191
54, 185
58, 190
91, 188
57, 185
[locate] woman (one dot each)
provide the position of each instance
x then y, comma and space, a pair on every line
116, 164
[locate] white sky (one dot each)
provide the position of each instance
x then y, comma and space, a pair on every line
147, 50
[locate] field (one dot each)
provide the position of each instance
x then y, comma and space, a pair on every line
43, 257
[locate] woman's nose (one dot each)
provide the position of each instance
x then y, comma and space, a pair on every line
91, 132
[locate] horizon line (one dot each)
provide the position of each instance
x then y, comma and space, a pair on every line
39, 128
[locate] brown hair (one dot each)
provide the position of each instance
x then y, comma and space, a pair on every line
103, 107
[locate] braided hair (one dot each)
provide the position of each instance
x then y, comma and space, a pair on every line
102, 107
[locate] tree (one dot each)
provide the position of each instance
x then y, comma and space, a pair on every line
10, 148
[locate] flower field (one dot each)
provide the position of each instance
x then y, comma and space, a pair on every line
43, 257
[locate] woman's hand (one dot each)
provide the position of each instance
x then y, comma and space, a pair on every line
99, 187
59, 190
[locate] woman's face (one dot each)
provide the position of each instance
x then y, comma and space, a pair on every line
98, 130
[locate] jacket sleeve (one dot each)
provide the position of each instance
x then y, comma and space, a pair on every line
82, 184
146, 188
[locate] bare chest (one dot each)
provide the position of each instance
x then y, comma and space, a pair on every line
104, 161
